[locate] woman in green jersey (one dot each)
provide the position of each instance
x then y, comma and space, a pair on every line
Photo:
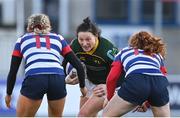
97, 53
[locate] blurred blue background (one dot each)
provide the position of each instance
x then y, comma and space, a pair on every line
117, 19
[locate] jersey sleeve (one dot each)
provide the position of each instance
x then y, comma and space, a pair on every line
65, 46
113, 76
162, 66
14, 66
76, 63
11, 79
17, 49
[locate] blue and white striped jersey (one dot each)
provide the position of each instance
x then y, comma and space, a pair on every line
43, 54
137, 61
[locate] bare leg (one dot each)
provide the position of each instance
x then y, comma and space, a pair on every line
93, 105
56, 107
83, 101
163, 111
117, 107
27, 107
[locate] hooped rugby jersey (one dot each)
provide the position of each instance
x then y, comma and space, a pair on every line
43, 54
137, 61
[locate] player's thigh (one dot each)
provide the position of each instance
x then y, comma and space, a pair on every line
27, 106
56, 107
83, 100
92, 106
117, 107
163, 111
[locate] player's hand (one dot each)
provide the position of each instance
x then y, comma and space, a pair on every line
72, 78
100, 90
71, 81
8, 101
142, 108
83, 91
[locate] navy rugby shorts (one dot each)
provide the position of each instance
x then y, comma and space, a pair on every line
35, 86
138, 88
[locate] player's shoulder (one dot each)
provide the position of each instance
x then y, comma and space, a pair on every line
74, 42
106, 44
56, 35
24, 37
75, 45
105, 41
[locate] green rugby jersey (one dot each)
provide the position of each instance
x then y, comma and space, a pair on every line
98, 62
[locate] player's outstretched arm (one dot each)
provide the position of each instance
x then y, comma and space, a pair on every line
11, 79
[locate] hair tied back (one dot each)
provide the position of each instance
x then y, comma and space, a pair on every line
87, 21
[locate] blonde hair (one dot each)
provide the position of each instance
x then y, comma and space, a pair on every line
39, 23
149, 43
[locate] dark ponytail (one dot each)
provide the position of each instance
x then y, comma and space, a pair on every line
88, 26
87, 21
